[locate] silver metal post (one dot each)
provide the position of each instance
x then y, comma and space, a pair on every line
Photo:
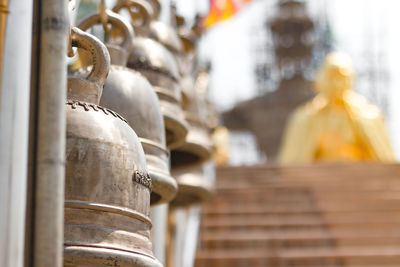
49, 139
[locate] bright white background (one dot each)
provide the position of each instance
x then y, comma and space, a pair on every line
358, 26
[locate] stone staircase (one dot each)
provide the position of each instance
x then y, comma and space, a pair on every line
314, 215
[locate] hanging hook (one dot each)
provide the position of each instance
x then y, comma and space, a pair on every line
70, 50
103, 16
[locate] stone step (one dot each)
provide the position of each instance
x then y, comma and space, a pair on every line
303, 216
300, 257
273, 240
256, 220
261, 208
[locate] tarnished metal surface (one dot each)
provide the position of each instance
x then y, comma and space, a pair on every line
129, 93
198, 144
159, 67
107, 183
194, 188
48, 134
166, 35
186, 160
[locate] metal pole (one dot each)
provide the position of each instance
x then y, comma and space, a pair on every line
14, 119
48, 157
3, 21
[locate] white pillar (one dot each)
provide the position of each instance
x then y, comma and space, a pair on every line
14, 121
159, 218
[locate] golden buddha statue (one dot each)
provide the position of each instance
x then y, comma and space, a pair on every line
338, 125
220, 137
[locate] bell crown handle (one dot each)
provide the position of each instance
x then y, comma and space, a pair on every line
116, 21
98, 51
145, 10
156, 8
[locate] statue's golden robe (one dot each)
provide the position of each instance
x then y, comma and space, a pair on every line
337, 125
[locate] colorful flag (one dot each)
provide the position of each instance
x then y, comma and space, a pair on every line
221, 10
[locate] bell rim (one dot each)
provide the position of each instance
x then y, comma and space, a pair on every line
97, 256
146, 142
199, 150
166, 183
201, 190
179, 129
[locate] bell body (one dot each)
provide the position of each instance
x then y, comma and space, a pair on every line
107, 191
129, 93
186, 160
158, 65
197, 147
194, 188
198, 144
167, 36
107, 185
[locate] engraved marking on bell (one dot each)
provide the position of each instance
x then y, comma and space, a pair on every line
94, 107
87, 106
142, 178
104, 110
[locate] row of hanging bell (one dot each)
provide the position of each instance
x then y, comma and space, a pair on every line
130, 94
158, 65
156, 54
107, 195
187, 160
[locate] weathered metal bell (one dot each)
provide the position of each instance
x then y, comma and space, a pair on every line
166, 35
195, 183
187, 58
147, 12
186, 162
194, 188
159, 66
186, 82
107, 195
198, 145
130, 94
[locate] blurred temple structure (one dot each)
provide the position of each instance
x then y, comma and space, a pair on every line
266, 115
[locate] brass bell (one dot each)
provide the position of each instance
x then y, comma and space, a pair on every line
198, 145
188, 40
186, 160
127, 92
107, 192
194, 188
159, 66
166, 35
